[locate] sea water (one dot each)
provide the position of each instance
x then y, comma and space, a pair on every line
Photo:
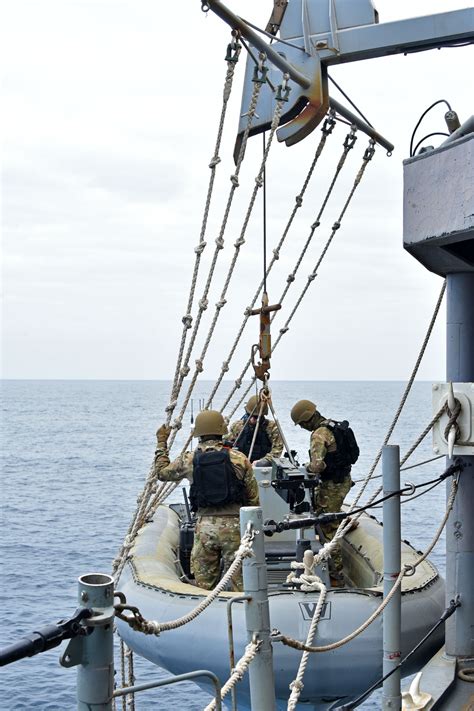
75, 455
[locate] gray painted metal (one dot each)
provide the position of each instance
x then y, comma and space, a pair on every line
95, 675
460, 527
391, 698
438, 208
438, 230
257, 613
190, 676
325, 33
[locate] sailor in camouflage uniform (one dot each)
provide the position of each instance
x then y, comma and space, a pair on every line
222, 480
335, 483
268, 442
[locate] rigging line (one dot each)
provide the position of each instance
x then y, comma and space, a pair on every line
238, 245
252, 55
264, 194
407, 389
403, 469
220, 240
231, 65
349, 100
368, 154
327, 129
272, 37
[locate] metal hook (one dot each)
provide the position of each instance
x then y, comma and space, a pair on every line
411, 488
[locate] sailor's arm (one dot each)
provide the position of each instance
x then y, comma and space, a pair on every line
276, 440
320, 440
165, 470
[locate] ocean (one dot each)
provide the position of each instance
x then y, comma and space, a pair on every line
75, 455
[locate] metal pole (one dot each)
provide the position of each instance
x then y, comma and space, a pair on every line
391, 698
257, 614
95, 674
460, 526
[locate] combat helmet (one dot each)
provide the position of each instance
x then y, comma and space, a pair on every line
209, 422
253, 407
302, 411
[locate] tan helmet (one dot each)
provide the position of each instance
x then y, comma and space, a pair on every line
209, 422
302, 411
253, 407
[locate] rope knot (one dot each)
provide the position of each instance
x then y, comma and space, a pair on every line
296, 685
199, 365
248, 311
234, 180
200, 248
259, 181
177, 424
452, 422
299, 200
225, 366
238, 383
312, 276
187, 320
276, 253
220, 243
220, 304
290, 278
336, 226
215, 161
239, 242
184, 370
284, 330
171, 406
315, 225
203, 304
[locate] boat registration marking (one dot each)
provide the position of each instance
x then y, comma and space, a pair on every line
308, 609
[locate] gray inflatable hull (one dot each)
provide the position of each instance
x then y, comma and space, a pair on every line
150, 581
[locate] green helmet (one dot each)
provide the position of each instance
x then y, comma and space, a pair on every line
253, 407
209, 422
302, 411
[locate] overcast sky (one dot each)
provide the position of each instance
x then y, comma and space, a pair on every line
111, 111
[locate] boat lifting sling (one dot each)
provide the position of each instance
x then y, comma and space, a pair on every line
264, 345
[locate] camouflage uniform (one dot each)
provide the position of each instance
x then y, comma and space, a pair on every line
330, 494
272, 431
217, 534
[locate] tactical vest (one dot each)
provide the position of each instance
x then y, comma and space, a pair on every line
262, 445
215, 482
338, 463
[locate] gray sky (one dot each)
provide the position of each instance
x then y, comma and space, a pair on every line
111, 115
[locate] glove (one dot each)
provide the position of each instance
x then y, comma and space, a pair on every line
162, 434
262, 463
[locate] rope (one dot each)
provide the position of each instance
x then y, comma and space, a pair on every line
367, 157
328, 547
407, 570
238, 671
327, 130
238, 244
140, 624
203, 302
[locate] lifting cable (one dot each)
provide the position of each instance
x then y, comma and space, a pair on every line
232, 57
367, 157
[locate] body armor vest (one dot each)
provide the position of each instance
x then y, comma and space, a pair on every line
338, 463
215, 482
263, 443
